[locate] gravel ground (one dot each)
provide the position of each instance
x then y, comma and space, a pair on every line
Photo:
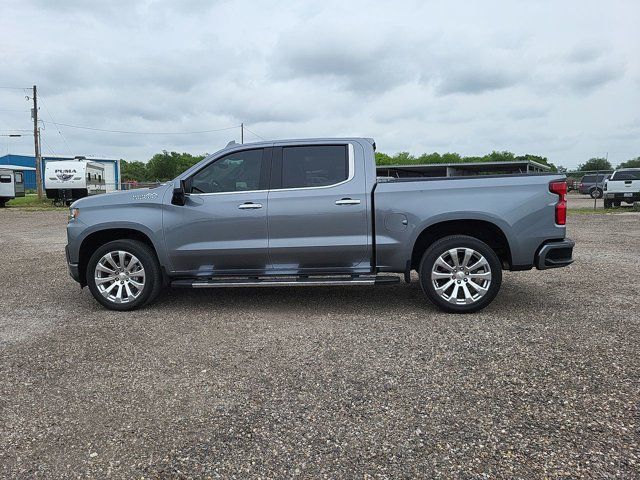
333, 382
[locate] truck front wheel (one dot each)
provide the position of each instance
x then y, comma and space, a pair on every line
124, 274
460, 274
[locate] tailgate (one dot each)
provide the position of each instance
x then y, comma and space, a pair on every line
626, 186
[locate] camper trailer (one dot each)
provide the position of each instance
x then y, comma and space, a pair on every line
11, 184
69, 180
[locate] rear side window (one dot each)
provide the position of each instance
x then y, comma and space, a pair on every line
5, 178
626, 175
314, 166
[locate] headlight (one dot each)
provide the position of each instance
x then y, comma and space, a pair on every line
73, 213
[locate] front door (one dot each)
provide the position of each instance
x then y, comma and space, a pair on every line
222, 228
317, 217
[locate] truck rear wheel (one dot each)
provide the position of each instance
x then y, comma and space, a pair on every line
124, 275
460, 274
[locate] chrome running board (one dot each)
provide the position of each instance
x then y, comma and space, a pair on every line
286, 281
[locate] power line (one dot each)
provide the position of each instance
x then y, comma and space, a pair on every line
142, 133
56, 125
47, 145
15, 88
251, 131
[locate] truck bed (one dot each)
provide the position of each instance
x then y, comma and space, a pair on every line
521, 205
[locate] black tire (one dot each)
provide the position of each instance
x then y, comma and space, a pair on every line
596, 192
2, 203
145, 255
439, 248
608, 204
617, 204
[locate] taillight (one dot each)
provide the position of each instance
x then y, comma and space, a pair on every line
560, 189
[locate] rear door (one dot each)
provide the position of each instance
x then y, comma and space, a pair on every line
317, 218
19, 183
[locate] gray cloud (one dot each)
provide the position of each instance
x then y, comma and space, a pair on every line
334, 57
475, 80
419, 76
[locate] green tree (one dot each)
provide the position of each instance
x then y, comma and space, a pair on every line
595, 164
403, 158
383, 159
633, 163
499, 157
136, 171
165, 166
452, 158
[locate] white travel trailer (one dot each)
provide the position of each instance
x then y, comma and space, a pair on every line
11, 183
69, 180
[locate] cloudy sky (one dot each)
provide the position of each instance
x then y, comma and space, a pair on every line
553, 78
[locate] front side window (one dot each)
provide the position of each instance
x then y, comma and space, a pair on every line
237, 172
314, 166
18, 177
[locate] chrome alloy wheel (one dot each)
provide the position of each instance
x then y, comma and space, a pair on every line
119, 276
461, 276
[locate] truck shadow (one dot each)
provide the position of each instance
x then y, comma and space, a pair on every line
357, 300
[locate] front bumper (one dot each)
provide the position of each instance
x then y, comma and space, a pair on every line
555, 254
74, 271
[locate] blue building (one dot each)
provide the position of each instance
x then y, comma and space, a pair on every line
111, 168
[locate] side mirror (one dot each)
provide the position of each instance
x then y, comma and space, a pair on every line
179, 194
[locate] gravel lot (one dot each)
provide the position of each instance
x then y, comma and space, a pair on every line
335, 382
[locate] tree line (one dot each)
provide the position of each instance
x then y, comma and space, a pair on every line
602, 164
405, 158
162, 166
167, 165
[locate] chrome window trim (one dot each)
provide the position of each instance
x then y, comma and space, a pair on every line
352, 173
227, 193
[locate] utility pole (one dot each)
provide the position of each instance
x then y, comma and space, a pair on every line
242, 133
36, 142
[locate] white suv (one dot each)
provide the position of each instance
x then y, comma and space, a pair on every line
623, 186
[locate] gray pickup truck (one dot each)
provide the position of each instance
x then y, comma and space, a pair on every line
312, 213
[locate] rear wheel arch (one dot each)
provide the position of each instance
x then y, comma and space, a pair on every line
98, 238
483, 230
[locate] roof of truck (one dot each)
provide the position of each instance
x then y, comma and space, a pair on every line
235, 144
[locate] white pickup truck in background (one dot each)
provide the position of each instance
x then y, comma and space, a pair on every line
622, 186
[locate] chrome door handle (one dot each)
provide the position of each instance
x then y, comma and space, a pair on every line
347, 201
249, 206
